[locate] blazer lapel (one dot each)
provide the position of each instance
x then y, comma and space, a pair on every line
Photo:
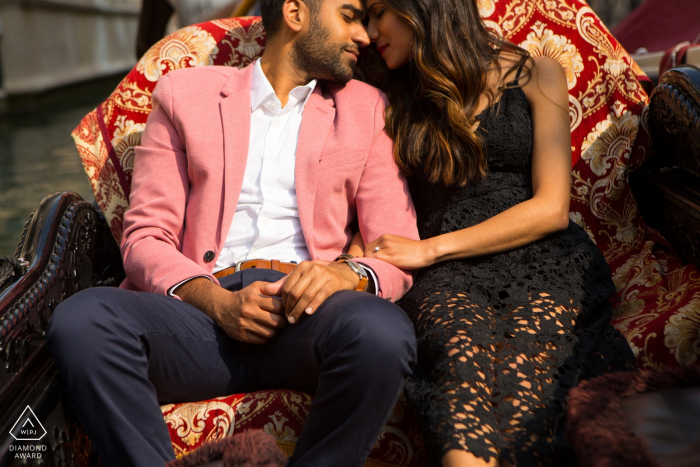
316, 125
235, 116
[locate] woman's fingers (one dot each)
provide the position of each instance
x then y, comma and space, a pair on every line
375, 242
371, 248
385, 252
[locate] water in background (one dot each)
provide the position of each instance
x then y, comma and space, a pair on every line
37, 154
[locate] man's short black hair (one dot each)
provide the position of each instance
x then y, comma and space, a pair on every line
271, 12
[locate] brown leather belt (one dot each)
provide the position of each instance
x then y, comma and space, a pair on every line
273, 264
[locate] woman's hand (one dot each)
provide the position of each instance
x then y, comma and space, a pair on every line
402, 252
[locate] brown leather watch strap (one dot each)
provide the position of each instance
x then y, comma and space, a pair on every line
364, 281
362, 286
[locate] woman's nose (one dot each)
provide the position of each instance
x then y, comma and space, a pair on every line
372, 32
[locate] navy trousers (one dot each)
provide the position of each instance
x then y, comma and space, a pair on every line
121, 354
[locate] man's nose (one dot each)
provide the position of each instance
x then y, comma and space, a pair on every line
360, 37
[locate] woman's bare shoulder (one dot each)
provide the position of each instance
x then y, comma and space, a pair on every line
547, 80
508, 62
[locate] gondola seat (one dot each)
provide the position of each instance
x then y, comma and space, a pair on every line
657, 304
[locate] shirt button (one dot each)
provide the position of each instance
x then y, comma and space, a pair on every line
277, 122
209, 256
264, 222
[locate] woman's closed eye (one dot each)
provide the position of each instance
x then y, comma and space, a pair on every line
377, 13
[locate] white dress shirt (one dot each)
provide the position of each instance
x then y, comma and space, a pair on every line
266, 222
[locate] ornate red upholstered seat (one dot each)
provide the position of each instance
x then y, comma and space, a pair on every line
657, 305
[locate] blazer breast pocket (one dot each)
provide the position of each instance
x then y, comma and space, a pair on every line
341, 159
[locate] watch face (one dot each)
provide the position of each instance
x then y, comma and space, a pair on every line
356, 268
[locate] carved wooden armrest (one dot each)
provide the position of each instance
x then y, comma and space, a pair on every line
675, 118
668, 187
66, 246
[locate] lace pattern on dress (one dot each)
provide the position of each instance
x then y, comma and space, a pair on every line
502, 338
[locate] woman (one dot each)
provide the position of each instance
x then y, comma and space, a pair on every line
510, 300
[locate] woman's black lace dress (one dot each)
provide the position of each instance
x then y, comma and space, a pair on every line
502, 338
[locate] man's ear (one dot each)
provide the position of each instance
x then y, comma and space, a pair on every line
295, 14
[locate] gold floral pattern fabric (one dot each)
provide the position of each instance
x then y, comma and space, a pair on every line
188, 47
542, 42
657, 303
107, 136
281, 414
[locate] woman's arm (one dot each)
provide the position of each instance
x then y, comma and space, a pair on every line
545, 213
357, 245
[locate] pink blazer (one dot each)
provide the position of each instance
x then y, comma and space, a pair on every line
189, 170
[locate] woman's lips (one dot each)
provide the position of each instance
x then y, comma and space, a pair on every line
382, 48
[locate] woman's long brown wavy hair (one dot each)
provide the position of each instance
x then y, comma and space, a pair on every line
434, 98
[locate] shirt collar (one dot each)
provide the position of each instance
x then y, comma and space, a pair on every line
262, 93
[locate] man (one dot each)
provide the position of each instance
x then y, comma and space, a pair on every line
273, 161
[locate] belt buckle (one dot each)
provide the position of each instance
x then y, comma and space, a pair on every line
240, 264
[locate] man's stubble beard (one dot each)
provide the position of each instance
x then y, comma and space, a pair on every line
314, 56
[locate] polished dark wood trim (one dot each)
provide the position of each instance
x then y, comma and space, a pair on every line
667, 188
670, 203
674, 118
69, 247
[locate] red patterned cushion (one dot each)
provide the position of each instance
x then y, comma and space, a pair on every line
281, 414
107, 136
657, 305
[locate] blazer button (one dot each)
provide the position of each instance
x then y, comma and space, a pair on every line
208, 256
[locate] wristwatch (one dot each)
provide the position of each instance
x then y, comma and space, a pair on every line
357, 269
